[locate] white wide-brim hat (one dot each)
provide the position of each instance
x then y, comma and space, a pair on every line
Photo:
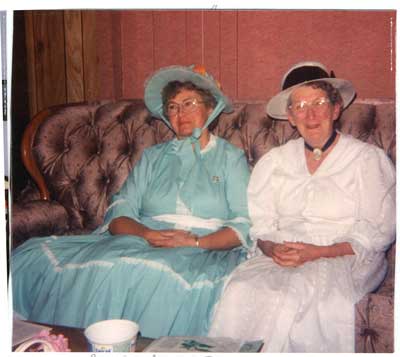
302, 73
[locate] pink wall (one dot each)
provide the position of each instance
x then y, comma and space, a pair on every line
248, 51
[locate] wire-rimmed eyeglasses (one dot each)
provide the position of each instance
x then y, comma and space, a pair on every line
301, 107
187, 106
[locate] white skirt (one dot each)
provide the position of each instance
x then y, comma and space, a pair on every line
305, 309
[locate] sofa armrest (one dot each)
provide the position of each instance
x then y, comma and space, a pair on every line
375, 314
387, 286
37, 218
374, 317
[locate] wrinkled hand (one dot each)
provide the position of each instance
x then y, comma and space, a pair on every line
169, 238
294, 254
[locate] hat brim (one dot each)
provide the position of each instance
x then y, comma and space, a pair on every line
276, 107
156, 83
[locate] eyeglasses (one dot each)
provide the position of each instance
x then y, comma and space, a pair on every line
187, 106
318, 105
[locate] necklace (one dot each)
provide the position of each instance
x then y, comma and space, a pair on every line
317, 152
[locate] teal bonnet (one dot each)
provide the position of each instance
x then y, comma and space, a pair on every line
196, 74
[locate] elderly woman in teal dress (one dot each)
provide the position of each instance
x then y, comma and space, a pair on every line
170, 237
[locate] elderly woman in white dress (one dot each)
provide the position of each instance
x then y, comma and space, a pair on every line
323, 214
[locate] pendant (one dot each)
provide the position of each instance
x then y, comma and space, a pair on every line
317, 154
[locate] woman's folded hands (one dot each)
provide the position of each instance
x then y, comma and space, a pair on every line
293, 254
170, 238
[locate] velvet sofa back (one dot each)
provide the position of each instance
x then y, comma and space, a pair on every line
85, 151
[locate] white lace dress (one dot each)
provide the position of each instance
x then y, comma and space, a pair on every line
350, 198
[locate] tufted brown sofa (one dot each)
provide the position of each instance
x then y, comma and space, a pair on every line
80, 154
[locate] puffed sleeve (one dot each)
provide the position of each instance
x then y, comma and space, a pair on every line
236, 194
375, 224
128, 200
261, 202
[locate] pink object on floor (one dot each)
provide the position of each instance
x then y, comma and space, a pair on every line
47, 342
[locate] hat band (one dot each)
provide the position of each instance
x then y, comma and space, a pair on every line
303, 74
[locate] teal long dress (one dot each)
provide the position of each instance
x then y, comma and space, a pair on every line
78, 280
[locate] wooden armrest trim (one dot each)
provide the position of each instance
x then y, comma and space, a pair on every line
28, 158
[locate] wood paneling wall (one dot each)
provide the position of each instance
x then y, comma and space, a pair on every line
98, 54
61, 57
74, 55
46, 58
